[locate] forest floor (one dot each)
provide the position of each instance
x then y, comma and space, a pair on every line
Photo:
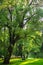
24, 62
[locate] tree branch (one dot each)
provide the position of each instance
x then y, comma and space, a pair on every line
28, 19
10, 11
30, 2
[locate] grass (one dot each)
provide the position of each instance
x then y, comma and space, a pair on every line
24, 62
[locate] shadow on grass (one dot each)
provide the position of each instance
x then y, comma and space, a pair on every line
12, 62
1, 63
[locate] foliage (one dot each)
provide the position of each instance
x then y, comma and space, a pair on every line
16, 27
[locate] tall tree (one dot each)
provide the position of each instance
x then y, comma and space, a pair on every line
13, 16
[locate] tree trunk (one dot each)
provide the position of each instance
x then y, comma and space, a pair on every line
8, 55
10, 48
11, 40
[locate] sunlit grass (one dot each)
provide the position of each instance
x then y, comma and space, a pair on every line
29, 61
0, 59
18, 61
14, 59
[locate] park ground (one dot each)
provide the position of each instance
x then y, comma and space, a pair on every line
24, 62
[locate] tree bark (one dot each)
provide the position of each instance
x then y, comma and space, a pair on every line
12, 39
8, 55
10, 48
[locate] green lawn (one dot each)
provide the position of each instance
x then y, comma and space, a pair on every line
24, 62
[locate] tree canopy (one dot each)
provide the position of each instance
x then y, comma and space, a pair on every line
20, 24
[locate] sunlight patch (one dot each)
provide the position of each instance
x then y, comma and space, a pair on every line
14, 60
29, 61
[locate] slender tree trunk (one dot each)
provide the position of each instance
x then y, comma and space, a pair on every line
8, 55
10, 48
